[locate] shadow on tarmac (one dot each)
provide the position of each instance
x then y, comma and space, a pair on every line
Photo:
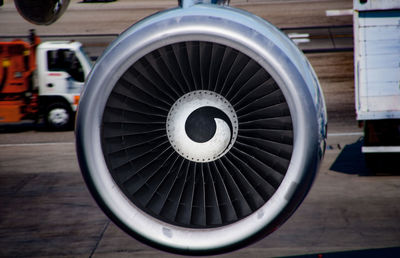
22, 127
27, 126
353, 162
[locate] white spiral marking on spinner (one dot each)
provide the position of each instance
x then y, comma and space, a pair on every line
223, 139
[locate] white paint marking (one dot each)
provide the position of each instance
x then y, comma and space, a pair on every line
380, 149
298, 35
36, 144
301, 41
339, 12
299, 38
345, 134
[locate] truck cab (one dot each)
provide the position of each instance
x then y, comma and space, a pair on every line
62, 67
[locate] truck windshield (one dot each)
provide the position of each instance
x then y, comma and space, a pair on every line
88, 60
75, 62
65, 60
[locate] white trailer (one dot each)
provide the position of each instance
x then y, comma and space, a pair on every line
377, 73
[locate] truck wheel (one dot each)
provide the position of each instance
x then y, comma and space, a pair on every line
58, 117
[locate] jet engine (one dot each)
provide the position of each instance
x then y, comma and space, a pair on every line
41, 12
200, 129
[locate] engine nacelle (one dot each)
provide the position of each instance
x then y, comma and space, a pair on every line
41, 12
200, 129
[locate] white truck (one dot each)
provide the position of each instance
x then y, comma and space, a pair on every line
41, 80
377, 75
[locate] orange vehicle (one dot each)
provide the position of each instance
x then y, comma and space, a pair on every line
18, 99
41, 80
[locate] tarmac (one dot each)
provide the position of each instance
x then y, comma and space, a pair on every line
47, 211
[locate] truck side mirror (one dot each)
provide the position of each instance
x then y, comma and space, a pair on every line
43, 12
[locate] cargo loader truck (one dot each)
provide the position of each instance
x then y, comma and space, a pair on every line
41, 81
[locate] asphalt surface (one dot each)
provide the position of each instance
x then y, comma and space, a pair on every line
115, 17
47, 211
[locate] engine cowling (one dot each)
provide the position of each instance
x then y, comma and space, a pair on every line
41, 12
201, 129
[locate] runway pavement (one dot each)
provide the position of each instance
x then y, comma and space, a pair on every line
115, 17
46, 209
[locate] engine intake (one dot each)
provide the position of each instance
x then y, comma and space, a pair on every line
200, 129
41, 12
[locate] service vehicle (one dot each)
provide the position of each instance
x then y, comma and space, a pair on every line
41, 81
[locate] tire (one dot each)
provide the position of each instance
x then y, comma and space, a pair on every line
58, 117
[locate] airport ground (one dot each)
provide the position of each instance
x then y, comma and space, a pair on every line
47, 211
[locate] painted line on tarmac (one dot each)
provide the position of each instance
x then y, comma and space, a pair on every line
346, 12
36, 144
345, 134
